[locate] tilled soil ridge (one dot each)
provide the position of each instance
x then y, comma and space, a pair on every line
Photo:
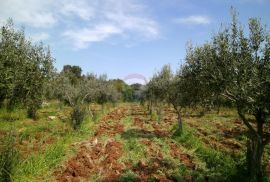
95, 157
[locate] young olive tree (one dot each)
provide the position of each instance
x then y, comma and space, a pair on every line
73, 95
157, 92
87, 89
238, 68
177, 98
184, 92
106, 91
181, 90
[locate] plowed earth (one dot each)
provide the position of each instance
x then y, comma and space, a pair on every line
100, 157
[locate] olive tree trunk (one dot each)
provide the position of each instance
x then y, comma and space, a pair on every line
160, 112
179, 118
179, 121
150, 107
255, 148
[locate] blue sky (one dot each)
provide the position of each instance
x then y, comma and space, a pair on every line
123, 37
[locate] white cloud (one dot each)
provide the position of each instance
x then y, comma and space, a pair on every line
193, 20
84, 21
30, 12
77, 8
147, 27
82, 37
124, 17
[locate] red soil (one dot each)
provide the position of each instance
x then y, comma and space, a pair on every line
183, 157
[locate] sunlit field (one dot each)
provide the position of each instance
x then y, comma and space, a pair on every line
134, 91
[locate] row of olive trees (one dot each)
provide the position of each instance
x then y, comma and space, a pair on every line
85, 89
237, 67
234, 65
24, 69
180, 90
78, 91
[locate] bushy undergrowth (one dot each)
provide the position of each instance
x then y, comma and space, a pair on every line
9, 157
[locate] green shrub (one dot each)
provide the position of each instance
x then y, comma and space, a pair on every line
8, 157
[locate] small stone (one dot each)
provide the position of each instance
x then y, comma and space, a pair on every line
51, 117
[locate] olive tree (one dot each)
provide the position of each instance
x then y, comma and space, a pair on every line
87, 89
177, 98
24, 69
181, 90
157, 88
73, 95
199, 94
238, 68
184, 91
106, 91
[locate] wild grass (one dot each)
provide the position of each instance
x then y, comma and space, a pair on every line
128, 122
9, 157
134, 151
12, 116
128, 176
39, 165
219, 166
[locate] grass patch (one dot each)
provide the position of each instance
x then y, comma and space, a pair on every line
128, 122
40, 164
133, 151
12, 116
219, 166
9, 157
128, 176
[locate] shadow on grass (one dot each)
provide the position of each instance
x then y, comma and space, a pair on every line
176, 133
140, 133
